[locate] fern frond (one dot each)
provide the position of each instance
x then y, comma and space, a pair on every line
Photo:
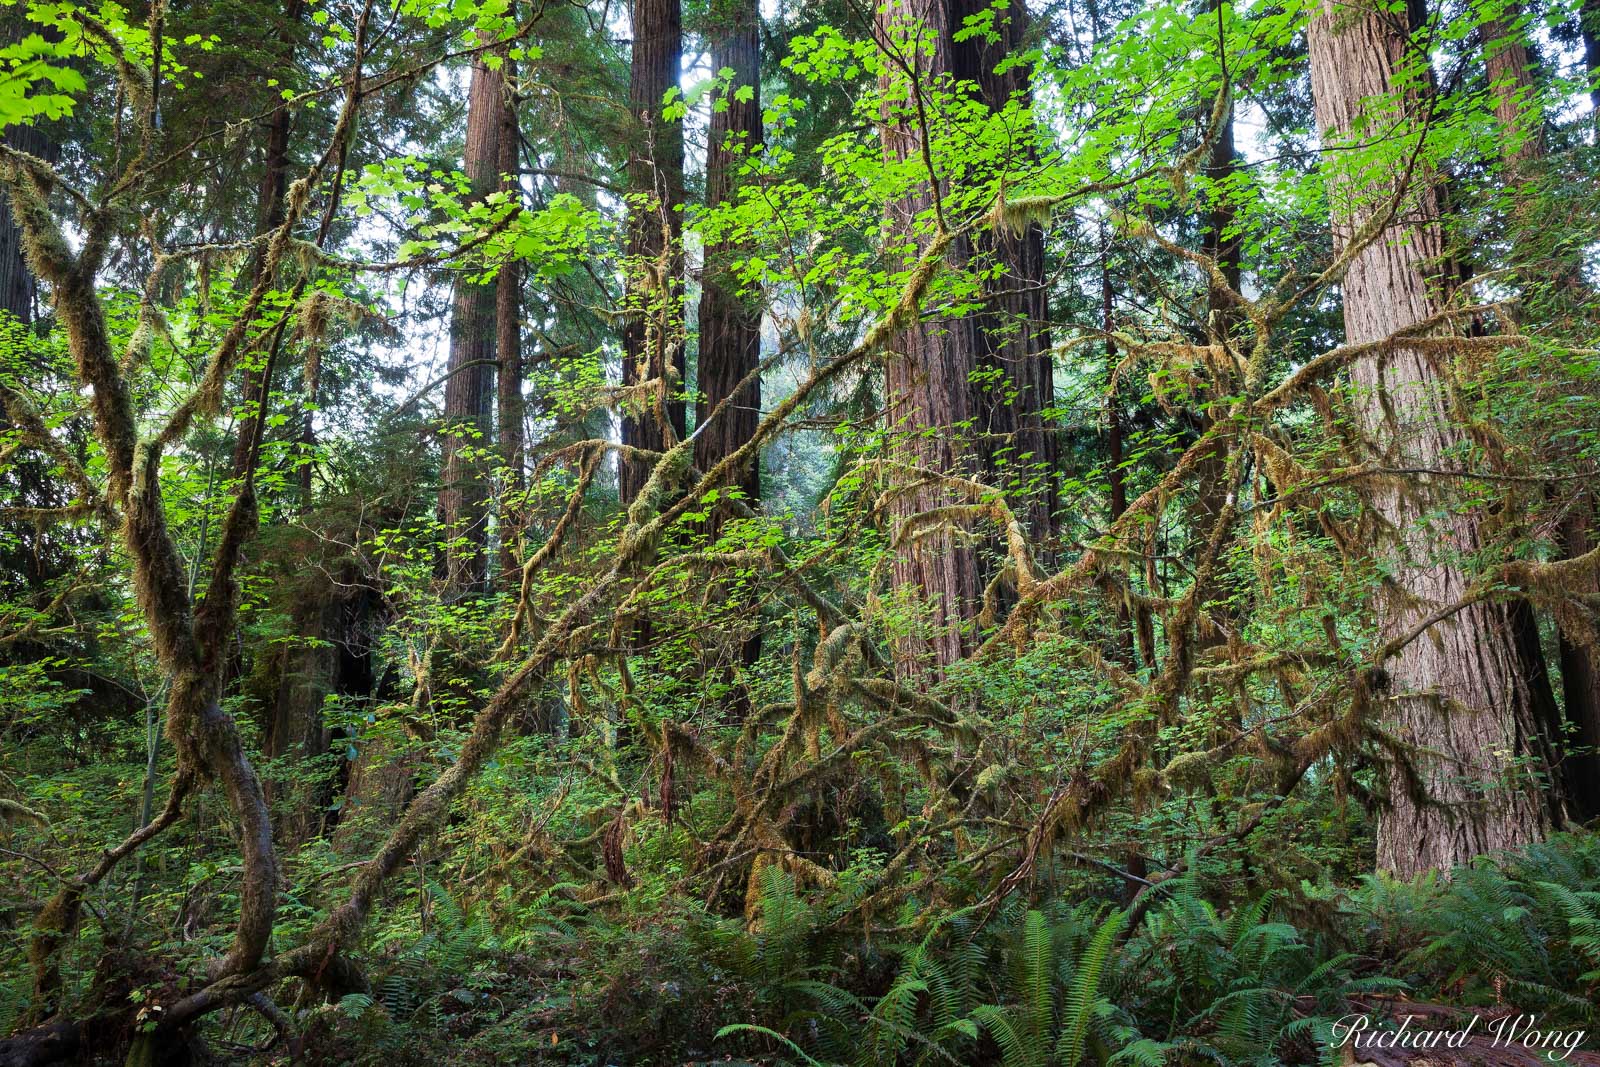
1085, 990
751, 1028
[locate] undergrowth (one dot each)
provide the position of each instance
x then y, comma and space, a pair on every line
1188, 977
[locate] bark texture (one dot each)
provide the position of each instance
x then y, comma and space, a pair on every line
1463, 692
467, 428
18, 290
730, 323
1509, 62
929, 400
1580, 672
18, 287
1223, 247
337, 617
512, 409
304, 674
652, 337
1505, 54
1017, 443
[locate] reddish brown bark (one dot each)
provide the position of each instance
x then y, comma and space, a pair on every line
730, 322
929, 398
1506, 56
652, 337
1223, 247
1580, 676
1018, 445
18, 290
304, 675
1509, 63
467, 430
1463, 691
511, 407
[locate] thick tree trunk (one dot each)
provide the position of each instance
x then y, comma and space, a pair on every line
382, 778
1506, 56
1509, 62
1463, 692
512, 409
1580, 675
730, 323
466, 431
1212, 488
18, 290
1018, 445
928, 392
294, 728
652, 338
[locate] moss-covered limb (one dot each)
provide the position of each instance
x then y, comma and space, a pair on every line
1019, 624
221, 751
1148, 895
1554, 578
531, 567
433, 803
828, 613
159, 576
628, 610
35, 619
1283, 297
205, 737
25, 418
137, 84
1416, 337
216, 613
728, 468
57, 921
82, 316
1087, 793
1268, 664
988, 503
1259, 316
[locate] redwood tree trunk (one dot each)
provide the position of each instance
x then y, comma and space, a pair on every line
463, 490
1464, 691
1509, 63
1222, 319
929, 398
1018, 444
652, 338
508, 343
1506, 56
1580, 677
17, 286
730, 324
295, 728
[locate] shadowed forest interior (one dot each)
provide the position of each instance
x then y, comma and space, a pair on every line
954, 532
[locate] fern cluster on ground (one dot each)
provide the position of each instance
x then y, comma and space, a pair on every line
1190, 976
